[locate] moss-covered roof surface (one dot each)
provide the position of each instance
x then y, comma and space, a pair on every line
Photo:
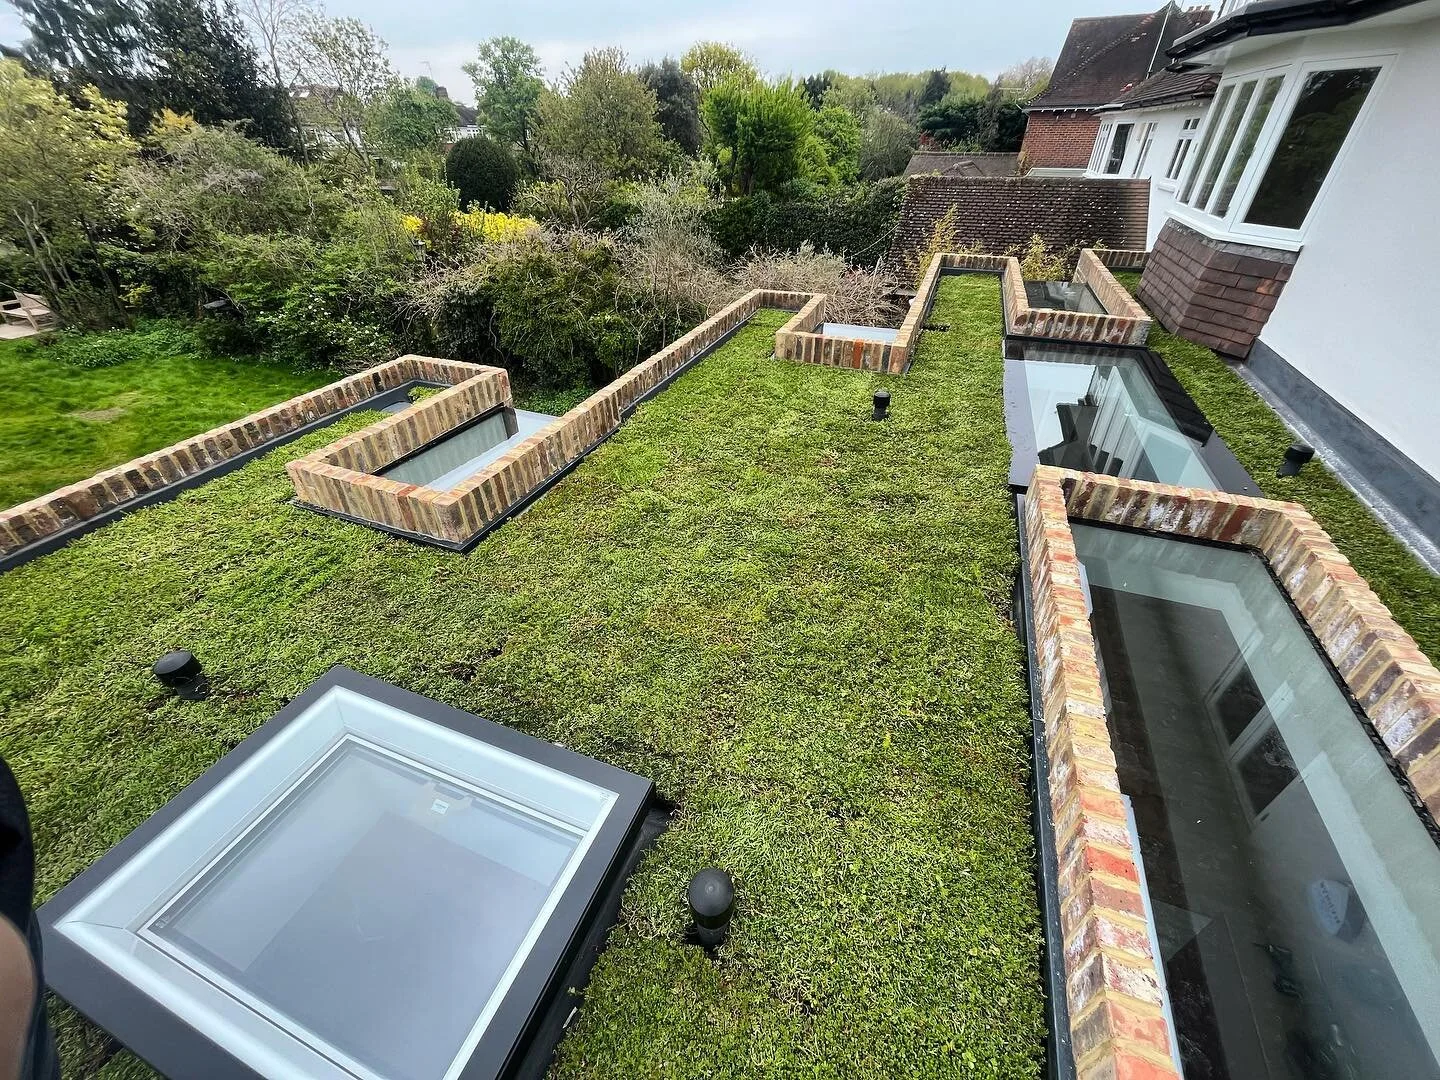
793, 619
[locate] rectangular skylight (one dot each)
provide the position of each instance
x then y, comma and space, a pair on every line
373, 885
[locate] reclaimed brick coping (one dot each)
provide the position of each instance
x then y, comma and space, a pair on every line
1112, 982
340, 478
797, 339
1123, 323
43, 518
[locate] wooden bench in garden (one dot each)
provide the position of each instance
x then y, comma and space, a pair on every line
27, 308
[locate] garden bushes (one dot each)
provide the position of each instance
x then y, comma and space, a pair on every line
855, 222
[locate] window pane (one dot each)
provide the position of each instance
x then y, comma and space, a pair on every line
1117, 149
1097, 153
1222, 147
1322, 117
1147, 136
1220, 103
1246, 146
1177, 159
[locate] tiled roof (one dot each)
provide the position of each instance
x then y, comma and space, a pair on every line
1103, 56
1165, 87
960, 163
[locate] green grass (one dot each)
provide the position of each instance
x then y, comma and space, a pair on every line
60, 423
793, 619
1258, 437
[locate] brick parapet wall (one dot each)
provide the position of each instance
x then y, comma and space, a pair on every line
1214, 292
1124, 322
1123, 258
114, 488
1058, 140
997, 215
1112, 982
340, 477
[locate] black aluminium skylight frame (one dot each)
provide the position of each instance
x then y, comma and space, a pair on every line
176, 1048
1190, 420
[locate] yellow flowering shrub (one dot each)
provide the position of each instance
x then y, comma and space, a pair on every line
496, 228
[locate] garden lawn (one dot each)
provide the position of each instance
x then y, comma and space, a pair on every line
60, 423
793, 619
1258, 438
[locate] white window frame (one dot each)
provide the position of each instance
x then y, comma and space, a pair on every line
1101, 149
1128, 126
1189, 129
1232, 224
1146, 138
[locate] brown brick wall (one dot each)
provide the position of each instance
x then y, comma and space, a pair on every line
340, 477
1058, 140
996, 214
1124, 321
46, 515
797, 341
1213, 292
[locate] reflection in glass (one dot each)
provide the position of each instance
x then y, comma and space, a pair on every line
375, 909
1217, 115
1246, 146
1292, 884
1322, 117
1106, 417
1222, 148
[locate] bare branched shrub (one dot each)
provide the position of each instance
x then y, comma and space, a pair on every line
667, 253
944, 238
1040, 261
856, 296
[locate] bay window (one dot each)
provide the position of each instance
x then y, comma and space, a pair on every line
1270, 142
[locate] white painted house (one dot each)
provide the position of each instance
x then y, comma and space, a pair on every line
1147, 133
1306, 222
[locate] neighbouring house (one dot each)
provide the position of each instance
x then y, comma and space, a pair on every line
1147, 133
1311, 186
961, 163
1101, 58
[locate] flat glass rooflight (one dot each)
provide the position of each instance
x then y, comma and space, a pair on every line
1109, 409
372, 885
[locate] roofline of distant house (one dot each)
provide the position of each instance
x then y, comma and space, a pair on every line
1178, 97
1279, 17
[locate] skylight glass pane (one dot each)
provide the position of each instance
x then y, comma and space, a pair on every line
1222, 147
1323, 116
1199, 157
1292, 883
374, 872
1246, 146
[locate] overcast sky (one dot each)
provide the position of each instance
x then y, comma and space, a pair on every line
796, 37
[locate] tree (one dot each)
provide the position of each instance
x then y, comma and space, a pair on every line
508, 84
484, 171
990, 124
678, 99
275, 26
815, 87
406, 122
98, 43
1025, 80
757, 133
710, 63
840, 133
603, 114
347, 69
937, 85
206, 67
60, 165
886, 145
847, 92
